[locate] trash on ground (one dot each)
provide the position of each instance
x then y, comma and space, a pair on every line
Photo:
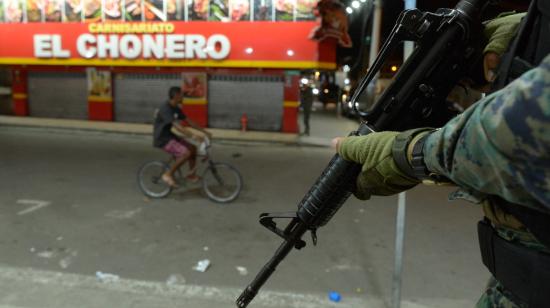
106, 277
48, 254
334, 296
242, 270
59, 238
358, 290
205, 248
68, 260
33, 249
175, 279
202, 265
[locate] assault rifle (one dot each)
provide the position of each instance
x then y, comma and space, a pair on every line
448, 43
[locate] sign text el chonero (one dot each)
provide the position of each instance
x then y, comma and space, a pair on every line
143, 44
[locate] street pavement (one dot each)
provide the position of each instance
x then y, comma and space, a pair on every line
70, 208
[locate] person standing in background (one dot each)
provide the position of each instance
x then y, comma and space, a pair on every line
306, 101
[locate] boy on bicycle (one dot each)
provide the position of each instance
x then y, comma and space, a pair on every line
167, 121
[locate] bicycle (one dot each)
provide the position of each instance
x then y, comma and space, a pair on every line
221, 182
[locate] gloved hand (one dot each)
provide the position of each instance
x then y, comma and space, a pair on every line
380, 174
499, 33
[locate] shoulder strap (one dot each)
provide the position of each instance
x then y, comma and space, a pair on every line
543, 45
522, 45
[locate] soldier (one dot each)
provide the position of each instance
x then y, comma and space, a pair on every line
498, 153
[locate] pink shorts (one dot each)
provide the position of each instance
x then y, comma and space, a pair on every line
176, 148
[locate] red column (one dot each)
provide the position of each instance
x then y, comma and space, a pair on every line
196, 110
100, 106
19, 92
291, 103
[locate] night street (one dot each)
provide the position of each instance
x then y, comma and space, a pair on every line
70, 207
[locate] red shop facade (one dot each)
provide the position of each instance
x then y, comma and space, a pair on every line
121, 71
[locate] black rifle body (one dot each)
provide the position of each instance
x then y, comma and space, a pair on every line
447, 46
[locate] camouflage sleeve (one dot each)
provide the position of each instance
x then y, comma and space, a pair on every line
501, 145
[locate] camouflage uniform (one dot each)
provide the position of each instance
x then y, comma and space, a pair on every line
501, 146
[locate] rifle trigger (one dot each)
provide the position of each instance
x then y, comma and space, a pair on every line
314, 236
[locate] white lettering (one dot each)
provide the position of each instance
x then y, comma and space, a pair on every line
175, 46
130, 46
42, 46
107, 44
57, 48
153, 45
82, 47
194, 46
224, 46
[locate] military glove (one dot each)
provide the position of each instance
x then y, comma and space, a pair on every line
499, 33
380, 175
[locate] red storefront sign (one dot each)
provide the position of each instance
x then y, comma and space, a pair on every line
175, 44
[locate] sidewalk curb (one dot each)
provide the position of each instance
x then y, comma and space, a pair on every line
146, 130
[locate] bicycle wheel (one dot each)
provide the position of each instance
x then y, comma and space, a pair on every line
222, 182
150, 182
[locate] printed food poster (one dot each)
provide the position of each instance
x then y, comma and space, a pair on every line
44, 10
13, 10
92, 10
112, 9
239, 10
34, 10
219, 10
52, 10
73, 10
197, 9
99, 83
173, 10
132, 10
263, 10
194, 86
284, 10
304, 9
153, 10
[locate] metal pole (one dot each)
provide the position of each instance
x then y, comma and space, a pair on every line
400, 219
399, 243
374, 47
375, 36
409, 46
